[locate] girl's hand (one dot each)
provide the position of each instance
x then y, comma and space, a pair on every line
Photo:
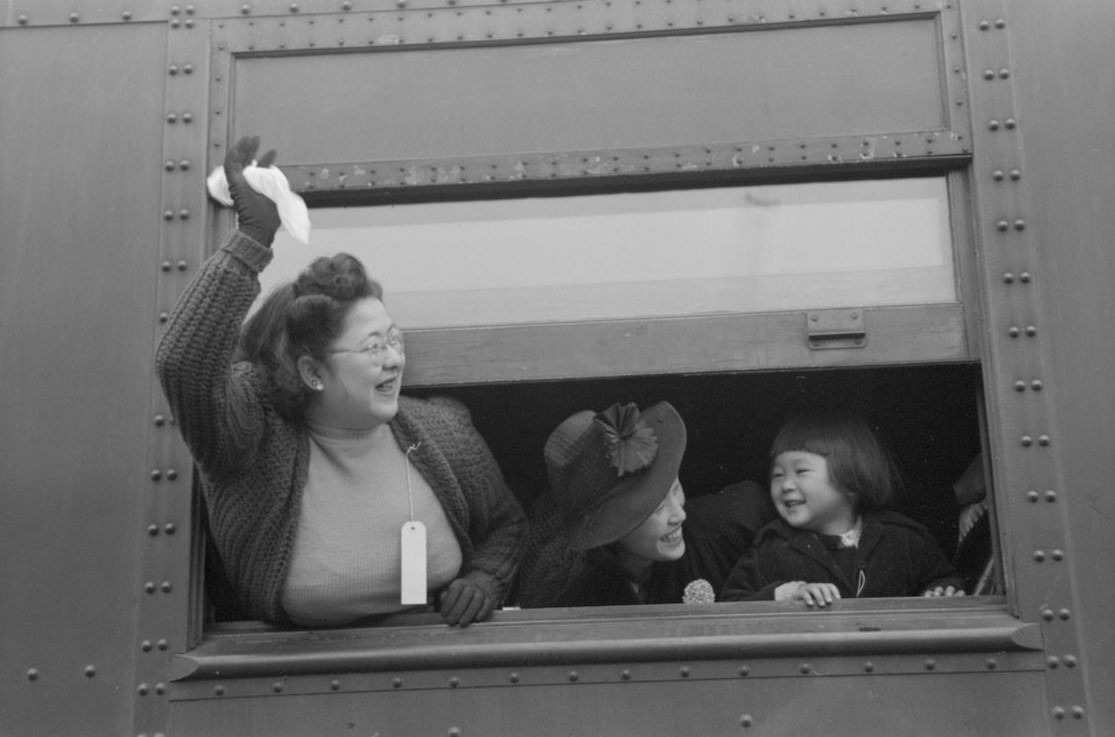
943, 591
813, 594
256, 215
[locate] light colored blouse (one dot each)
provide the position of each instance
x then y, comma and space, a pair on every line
346, 560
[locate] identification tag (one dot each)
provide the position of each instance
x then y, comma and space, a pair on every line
413, 563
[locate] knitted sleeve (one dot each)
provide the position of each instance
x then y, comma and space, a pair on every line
553, 574
497, 525
215, 407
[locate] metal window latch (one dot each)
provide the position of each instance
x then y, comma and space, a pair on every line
827, 329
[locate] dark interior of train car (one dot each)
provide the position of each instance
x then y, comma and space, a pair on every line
929, 416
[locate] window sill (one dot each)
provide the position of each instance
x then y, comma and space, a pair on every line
615, 634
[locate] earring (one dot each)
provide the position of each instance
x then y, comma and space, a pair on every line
316, 385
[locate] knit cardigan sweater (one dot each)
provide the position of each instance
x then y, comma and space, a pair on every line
254, 463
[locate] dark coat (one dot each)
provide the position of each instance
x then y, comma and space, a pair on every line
896, 557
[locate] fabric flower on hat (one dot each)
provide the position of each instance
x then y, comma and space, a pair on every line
629, 443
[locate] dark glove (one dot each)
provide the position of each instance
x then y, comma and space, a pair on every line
464, 602
256, 215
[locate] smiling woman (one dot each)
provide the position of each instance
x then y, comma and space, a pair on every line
331, 498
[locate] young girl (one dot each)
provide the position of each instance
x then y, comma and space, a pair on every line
831, 482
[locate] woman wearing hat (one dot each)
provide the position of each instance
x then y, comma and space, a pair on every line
614, 527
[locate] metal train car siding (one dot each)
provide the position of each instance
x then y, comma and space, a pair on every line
728, 204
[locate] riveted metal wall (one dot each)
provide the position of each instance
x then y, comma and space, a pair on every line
78, 265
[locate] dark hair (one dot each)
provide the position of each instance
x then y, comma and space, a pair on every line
858, 464
303, 318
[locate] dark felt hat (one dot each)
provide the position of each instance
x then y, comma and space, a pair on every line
609, 470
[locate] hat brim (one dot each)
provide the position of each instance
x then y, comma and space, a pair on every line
633, 499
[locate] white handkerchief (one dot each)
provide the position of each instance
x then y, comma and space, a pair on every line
271, 183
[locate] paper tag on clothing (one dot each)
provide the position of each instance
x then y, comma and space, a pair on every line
413, 563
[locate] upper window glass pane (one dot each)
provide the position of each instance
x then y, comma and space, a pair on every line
649, 254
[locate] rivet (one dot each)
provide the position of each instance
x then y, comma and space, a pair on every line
188, 68
1008, 278
805, 669
126, 15
1039, 555
1013, 331
1026, 441
989, 74
145, 646
1020, 386
454, 682
1052, 661
991, 663
168, 214
513, 677
32, 674
683, 671
171, 474
1065, 614
187, 117
1078, 712
189, 10
397, 683
189, 23
168, 165
1058, 712
1000, 23
745, 720
184, 164
574, 676
182, 265
984, 25
219, 690
1010, 123
171, 118
156, 475
175, 10
1043, 440
1032, 495
744, 670
74, 18
1004, 73
1015, 174
169, 528
160, 688
335, 685
454, 732
998, 175
625, 674
993, 125
1070, 661
868, 667
277, 686
166, 587
1031, 330
23, 20
1025, 277
1020, 224
152, 530
245, 9
294, 7
346, 5
1047, 615
1058, 555
1002, 225
1036, 385
90, 671
165, 266
164, 316
930, 664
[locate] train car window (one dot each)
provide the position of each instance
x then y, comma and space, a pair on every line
648, 254
720, 300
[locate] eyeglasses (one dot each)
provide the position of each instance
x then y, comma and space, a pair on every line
376, 348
